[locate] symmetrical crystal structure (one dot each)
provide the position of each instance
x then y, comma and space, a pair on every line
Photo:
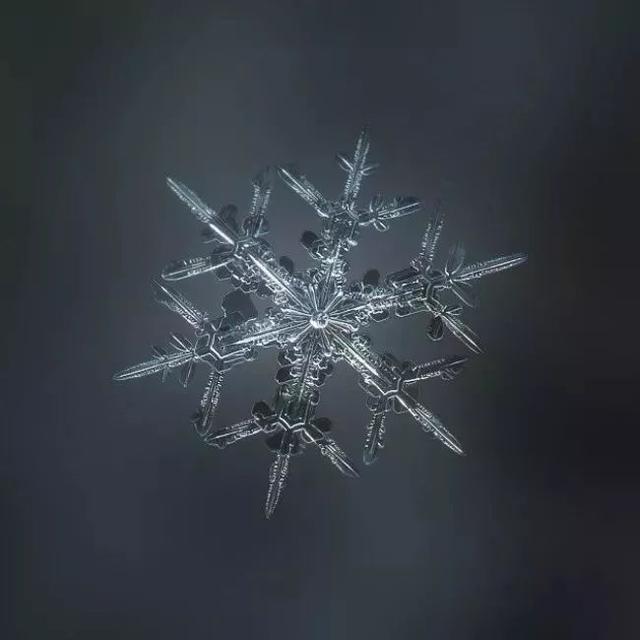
316, 318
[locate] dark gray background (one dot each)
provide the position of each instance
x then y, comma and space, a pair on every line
521, 118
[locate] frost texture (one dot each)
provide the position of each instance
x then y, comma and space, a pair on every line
316, 318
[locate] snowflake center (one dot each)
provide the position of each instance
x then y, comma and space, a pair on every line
319, 320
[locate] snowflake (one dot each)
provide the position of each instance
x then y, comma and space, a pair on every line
316, 318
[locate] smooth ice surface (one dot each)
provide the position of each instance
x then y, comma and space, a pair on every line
316, 317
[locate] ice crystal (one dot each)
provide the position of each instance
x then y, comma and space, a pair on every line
316, 317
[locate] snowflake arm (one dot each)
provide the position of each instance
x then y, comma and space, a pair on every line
344, 218
244, 255
381, 380
291, 425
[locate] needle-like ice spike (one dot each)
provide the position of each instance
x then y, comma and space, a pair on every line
430, 422
301, 185
481, 269
181, 269
203, 419
186, 373
397, 208
463, 292
446, 368
460, 330
180, 342
175, 301
278, 474
455, 260
254, 224
157, 365
330, 449
356, 167
430, 239
199, 209
374, 440
224, 437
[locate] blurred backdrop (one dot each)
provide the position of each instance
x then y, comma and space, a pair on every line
521, 119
